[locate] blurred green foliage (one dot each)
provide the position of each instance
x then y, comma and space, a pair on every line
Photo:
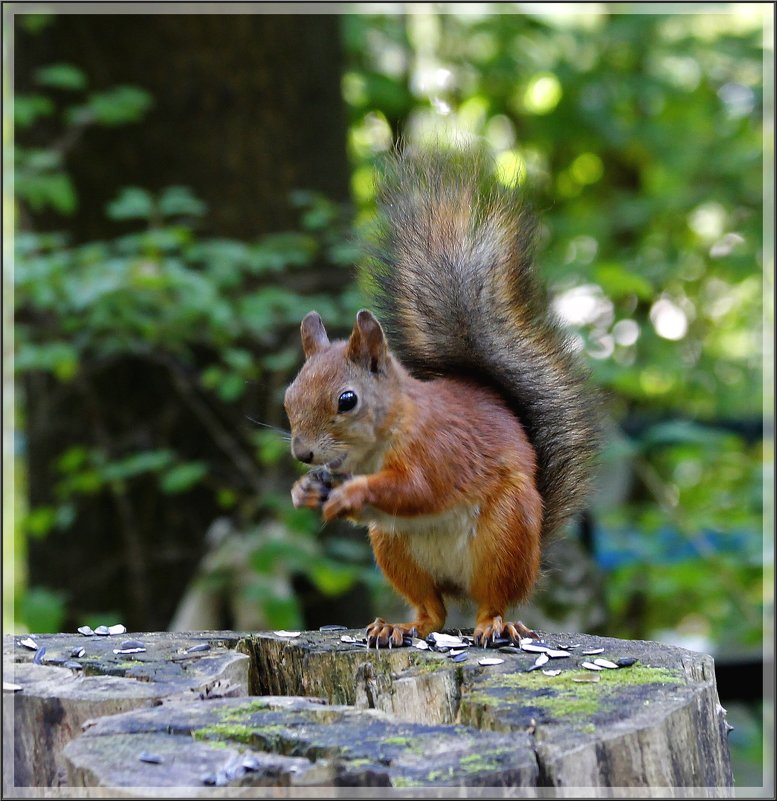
164, 294
639, 139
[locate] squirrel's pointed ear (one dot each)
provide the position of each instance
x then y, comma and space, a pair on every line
313, 334
367, 344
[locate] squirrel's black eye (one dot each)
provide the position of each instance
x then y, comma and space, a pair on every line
346, 401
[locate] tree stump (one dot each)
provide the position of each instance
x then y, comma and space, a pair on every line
232, 709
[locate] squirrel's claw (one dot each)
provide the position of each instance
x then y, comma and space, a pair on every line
391, 635
492, 629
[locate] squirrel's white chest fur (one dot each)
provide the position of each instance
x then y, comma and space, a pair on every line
439, 544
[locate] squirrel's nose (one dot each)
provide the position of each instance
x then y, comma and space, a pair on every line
300, 451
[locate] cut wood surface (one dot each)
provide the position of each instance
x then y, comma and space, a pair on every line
264, 710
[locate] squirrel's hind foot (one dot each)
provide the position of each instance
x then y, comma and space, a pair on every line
391, 635
494, 628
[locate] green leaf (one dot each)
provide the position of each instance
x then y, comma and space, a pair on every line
618, 281
53, 189
680, 432
28, 108
239, 359
178, 201
39, 521
231, 387
330, 577
34, 23
282, 360
132, 203
42, 609
61, 76
226, 498
271, 447
60, 358
120, 105
276, 252
72, 459
182, 477
283, 613
136, 464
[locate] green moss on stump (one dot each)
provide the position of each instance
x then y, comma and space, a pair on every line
561, 696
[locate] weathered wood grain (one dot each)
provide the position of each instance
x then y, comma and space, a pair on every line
262, 710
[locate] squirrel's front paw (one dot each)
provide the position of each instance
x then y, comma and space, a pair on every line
346, 500
382, 634
309, 492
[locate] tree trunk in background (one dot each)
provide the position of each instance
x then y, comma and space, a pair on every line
247, 108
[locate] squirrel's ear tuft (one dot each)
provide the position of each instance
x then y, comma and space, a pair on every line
314, 336
367, 345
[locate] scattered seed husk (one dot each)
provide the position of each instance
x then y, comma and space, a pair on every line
250, 762
605, 663
541, 660
455, 652
592, 651
28, 642
346, 638
333, 627
39, 654
123, 651
103, 631
10, 687
532, 647
77, 653
488, 661
422, 645
73, 665
591, 666
551, 672
86, 631
557, 653
289, 634
499, 642
446, 640
510, 649
588, 678
626, 661
132, 644
118, 628
460, 657
152, 759
195, 649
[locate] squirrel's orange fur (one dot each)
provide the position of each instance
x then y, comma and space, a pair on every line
441, 466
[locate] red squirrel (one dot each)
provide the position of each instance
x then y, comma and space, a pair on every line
468, 441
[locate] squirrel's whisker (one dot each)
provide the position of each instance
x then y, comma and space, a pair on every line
280, 431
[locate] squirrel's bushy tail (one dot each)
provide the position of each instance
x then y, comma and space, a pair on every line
456, 288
